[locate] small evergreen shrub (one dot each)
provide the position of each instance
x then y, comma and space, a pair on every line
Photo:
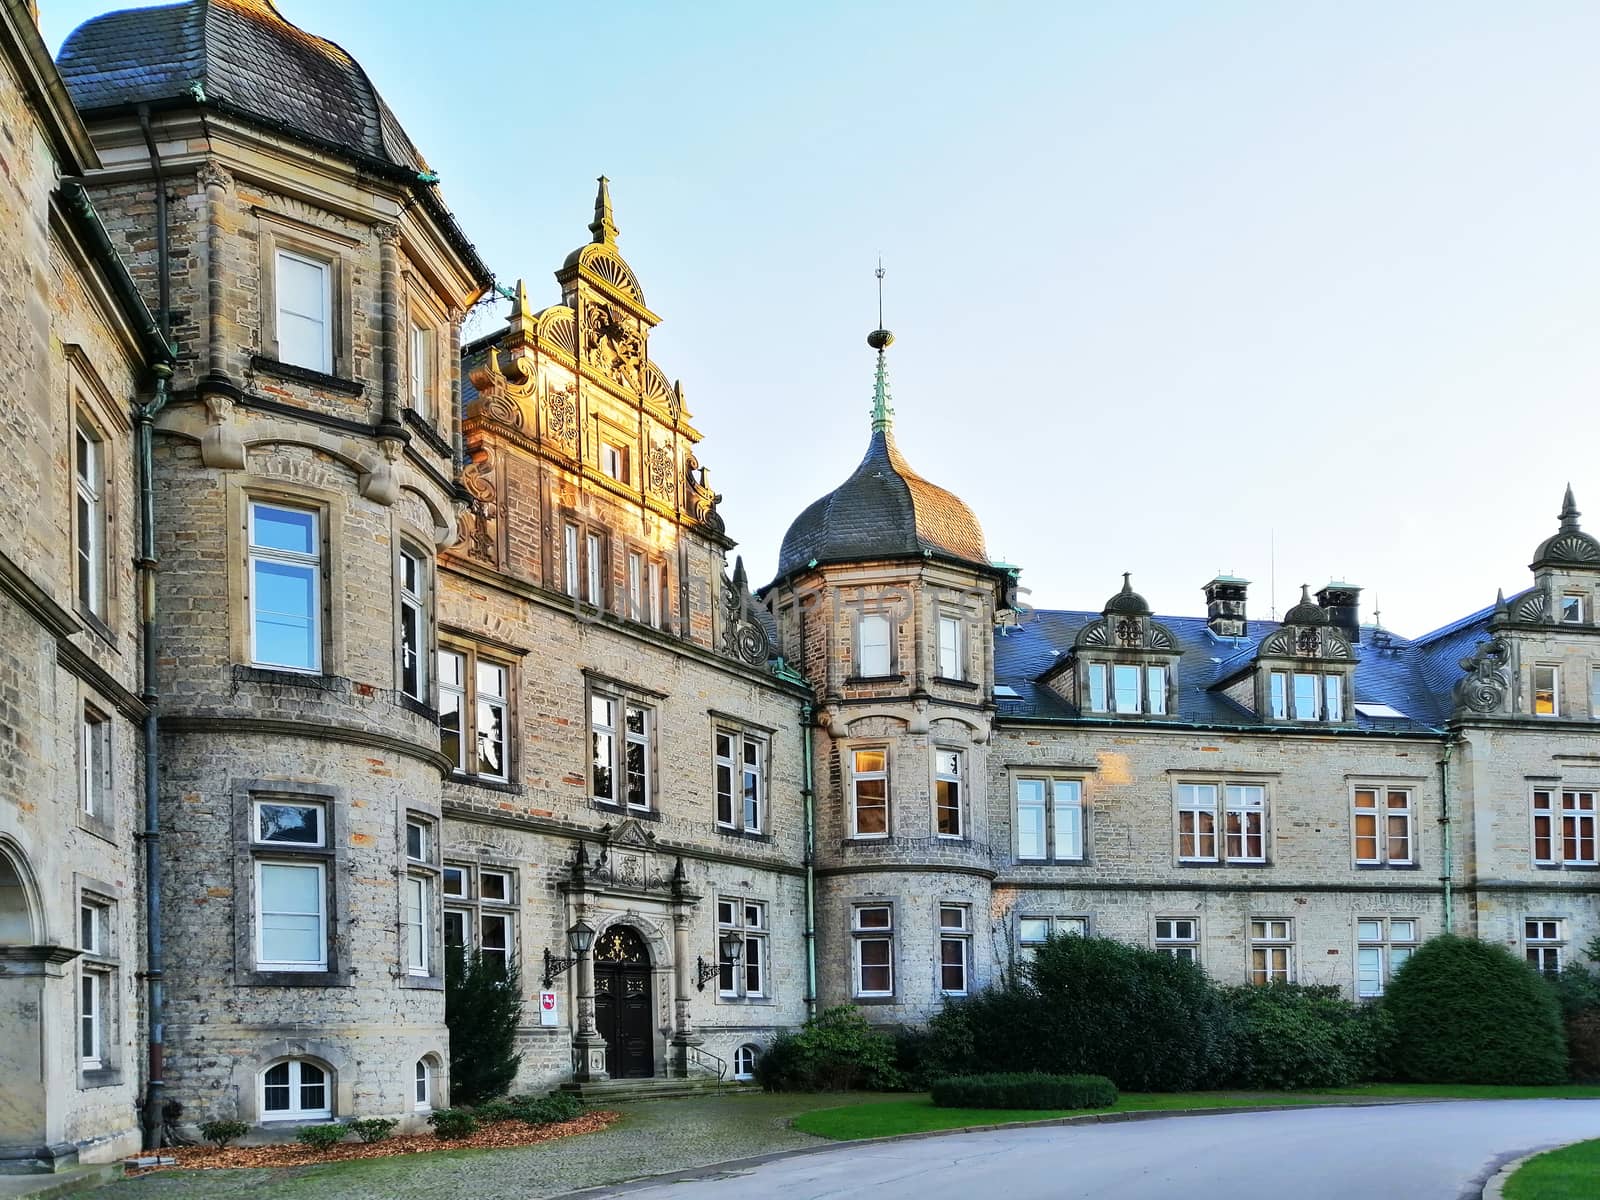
491, 1111
1465, 1011
1288, 1036
220, 1133
1024, 1090
482, 1007
835, 1052
546, 1110
453, 1123
374, 1129
322, 1138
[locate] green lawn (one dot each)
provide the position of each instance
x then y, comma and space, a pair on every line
1569, 1174
916, 1114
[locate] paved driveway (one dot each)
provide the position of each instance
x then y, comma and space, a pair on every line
1439, 1151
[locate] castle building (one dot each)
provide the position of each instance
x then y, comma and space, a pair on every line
332, 645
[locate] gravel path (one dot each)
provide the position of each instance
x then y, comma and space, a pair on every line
656, 1136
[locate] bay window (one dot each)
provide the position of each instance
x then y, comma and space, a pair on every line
873, 655
955, 948
304, 294
949, 767
869, 792
950, 657
413, 626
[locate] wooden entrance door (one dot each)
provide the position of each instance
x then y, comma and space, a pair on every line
623, 1003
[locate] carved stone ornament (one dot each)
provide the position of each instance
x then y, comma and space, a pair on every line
743, 636
612, 345
213, 174
1534, 608
659, 476
700, 501
220, 445
1129, 633
381, 484
480, 523
561, 417
627, 860
1487, 681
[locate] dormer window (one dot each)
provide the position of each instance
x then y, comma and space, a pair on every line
1121, 663
1132, 688
1573, 609
1306, 696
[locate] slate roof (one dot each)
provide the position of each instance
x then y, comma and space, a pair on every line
1385, 674
884, 510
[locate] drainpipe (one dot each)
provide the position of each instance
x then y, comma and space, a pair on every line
809, 796
1446, 833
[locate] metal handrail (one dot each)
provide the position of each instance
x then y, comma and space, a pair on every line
699, 1057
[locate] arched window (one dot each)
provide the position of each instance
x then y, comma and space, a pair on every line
422, 1091
744, 1062
16, 914
295, 1090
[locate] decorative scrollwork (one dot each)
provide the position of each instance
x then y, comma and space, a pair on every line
1308, 642
1533, 607
479, 524
743, 636
1487, 681
612, 344
1129, 632
699, 499
561, 417
502, 408
660, 477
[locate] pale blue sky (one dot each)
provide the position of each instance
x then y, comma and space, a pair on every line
1165, 278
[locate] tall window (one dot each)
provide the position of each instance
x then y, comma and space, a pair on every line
614, 461
872, 930
658, 596
950, 658
1049, 818
479, 905
94, 762
89, 483
594, 570
872, 646
621, 760
96, 984
474, 725
1271, 951
869, 792
1034, 932
949, 766
1383, 826
1131, 688
1178, 937
1546, 691
1564, 828
1098, 699
636, 597
413, 630
422, 369
1306, 696
1543, 942
296, 1090
747, 974
291, 892
1383, 945
285, 561
422, 1086
1244, 820
569, 560
418, 896
1573, 609
955, 948
304, 296
741, 782
1594, 692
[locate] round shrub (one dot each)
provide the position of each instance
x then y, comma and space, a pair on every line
220, 1133
835, 1052
1288, 1036
1465, 1011
1024, 1089
453, 1123
322, 1137
374, 1129
546, 1110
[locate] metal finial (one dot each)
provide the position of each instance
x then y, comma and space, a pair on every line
604, 225
880, 339
1569, 512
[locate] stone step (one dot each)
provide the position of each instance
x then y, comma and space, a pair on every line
627, 1090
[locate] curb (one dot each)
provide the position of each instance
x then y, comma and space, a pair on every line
735, 1165
77, 1181
1495, 1188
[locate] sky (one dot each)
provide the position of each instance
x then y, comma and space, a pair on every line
1292, 292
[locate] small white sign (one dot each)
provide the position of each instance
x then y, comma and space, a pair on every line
547, 1008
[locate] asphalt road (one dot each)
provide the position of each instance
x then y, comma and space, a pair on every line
1439, 1151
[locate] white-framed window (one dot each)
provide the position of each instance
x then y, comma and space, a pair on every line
89, 480
92, 931
453, 882
949, 771
740, 760
480, 903
295, 1090
453, 707
1383, 825
1546, 690
746, 975
569, 560
658, 595
91, 1018
304, 291
94, 761
291, 916
636, 597
1564, 827
1271, 950
622, 760
1574, 608
1382, 945
614, 461
413, 626
603, 748
1306, 696
289, 823
950, 655
475, 717
422, 1086
872, 646
869, 792
1099, 698
1544, 942
96, 984
1594, 692
419, 841
1244, 822
422, 370
594, 563
872, 930
1049, 818
744, 1061
285, 569
1126, 688
1155, 691
955, 948
418, 959
1034, 932
1178, 937
636, 754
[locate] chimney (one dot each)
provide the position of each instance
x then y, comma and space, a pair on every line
1343, 602
1225, 606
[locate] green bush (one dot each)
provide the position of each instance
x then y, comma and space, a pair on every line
1288, 1036
491, 1111
1583, 1045
453, 1123
836, 1051
374, 1129
220, 1133
1577, 989
1465, 1011
322, 1137
482, 1007
546, 1110
1025, 1089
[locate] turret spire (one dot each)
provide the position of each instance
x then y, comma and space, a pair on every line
1569, 512
604, 225
880, 339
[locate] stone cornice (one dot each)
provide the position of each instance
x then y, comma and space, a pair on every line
322, 730
73, 658
14, 581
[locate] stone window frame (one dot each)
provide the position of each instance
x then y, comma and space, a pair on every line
609, 433
760, 934
948, 933
450, 640
942, 616
1536, 946
1383, 786
625, 696
577, 563
1557, 814
1289, 944
1144, 662
423, 311
409, 541
1584, 600
1557, 708
331, 509
742, 732
1386, 944
963, 777
1050, 775
1174, 945
1222, 782
90, 403
428, 1072
473, 906
427, 869
886, 612
101, 820
858, 935
104, 963
295, 1114
332, 855
847, 765
337, 252
1322, 672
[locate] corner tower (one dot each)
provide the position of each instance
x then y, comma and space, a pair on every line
886, 600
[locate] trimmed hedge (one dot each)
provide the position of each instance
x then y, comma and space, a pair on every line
1024, 1089
1286, 1035
545, 1110
1466, 1011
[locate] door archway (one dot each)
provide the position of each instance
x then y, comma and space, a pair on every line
624, 1003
